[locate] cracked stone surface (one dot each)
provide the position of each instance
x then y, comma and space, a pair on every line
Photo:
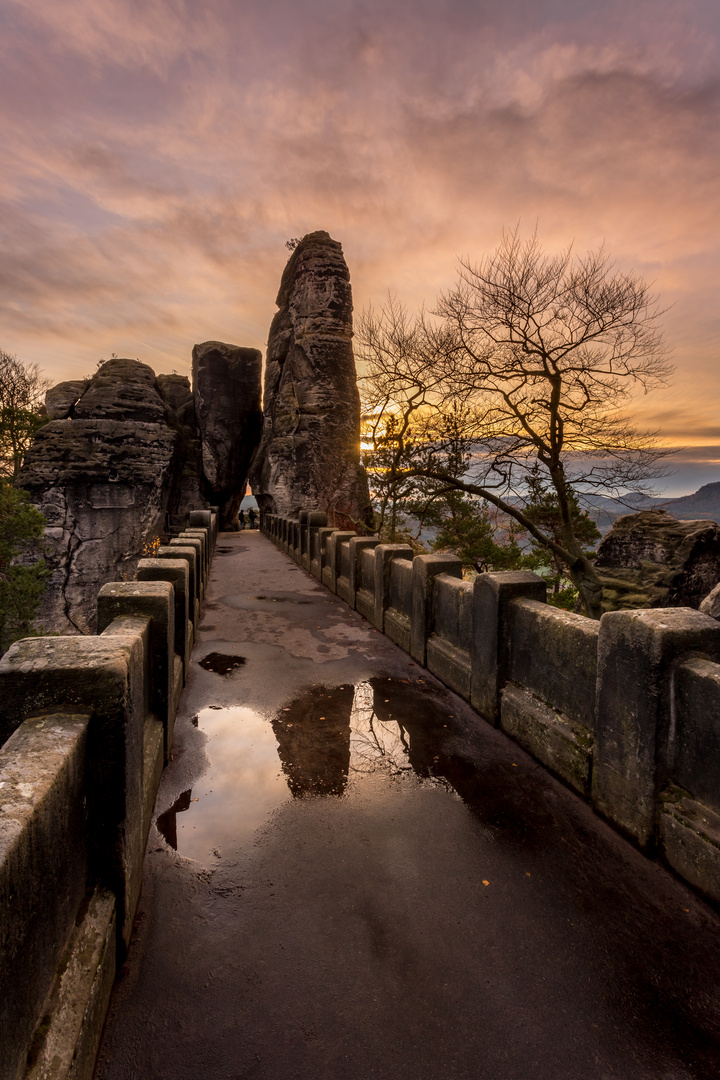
103, 487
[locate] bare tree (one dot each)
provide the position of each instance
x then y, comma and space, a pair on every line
543, 352
402, 387
22, 391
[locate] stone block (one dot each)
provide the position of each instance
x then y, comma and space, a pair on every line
639, 653
177, 549
450, 663
318, 540
183, 540
690, 840
553, 654
398, 613
154, 599
295, 540
43, 866
358, 544
384, 555
204, 537
491, 653
560, 743
695, 755
208, 519
74, 1018
336, 540
105, 674
425, 569
177, 572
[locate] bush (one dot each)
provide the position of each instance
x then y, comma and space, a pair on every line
21, 584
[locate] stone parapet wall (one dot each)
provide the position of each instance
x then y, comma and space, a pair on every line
86, 725
625, 710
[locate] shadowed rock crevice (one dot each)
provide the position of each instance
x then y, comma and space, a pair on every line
309, 456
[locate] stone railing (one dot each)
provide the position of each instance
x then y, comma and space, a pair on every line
86, 725
625, 710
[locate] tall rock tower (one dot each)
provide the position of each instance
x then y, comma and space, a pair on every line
309, 456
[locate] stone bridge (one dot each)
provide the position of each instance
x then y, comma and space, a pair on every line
407, 825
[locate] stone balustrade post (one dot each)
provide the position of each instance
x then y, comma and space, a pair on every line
384, 554
638, 655
358, 544
195, 543
315, 520
322, 535
189, 553
106, 675
337, 539
425, 569
302, 537
154, 600
177, 572
202, 534
207, 518
490, 652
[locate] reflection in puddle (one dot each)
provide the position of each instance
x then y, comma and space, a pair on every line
241, 787
221, 663
324, 743
313, 736
167, 822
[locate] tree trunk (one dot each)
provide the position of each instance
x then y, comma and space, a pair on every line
589, 586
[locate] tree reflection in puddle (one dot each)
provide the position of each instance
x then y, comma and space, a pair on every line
375, 743
326, 742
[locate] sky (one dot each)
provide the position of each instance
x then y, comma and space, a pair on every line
155, 157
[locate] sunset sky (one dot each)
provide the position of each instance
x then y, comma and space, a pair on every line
157, 155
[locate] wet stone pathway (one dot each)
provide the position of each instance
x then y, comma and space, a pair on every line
352, 876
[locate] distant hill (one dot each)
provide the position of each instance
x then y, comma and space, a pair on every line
703, 505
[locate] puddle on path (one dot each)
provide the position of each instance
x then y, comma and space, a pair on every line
325, 743
221, 663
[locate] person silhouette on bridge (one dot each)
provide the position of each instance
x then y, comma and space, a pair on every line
251, 515
241, 519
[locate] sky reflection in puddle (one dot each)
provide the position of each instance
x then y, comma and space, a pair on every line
323, 743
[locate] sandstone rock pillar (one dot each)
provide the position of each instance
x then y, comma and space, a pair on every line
309, 456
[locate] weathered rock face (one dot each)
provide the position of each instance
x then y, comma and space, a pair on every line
126, 461
103, 486
60, 399
309, 457
651, 560
227, 384
711, 603
122, 390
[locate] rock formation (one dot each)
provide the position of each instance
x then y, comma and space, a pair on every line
60, 399
711, 603
309, 456
121, 460
227, 386
651, 560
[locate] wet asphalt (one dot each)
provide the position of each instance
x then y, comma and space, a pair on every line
351, 875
